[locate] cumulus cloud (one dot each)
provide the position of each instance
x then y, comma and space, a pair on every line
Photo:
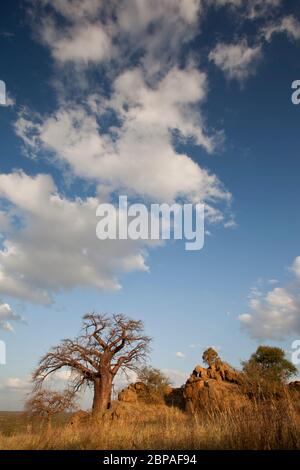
121, 140
90, 31
7, 316
83, 45
159, 29
276, 314
288, 25
238, 61
50, 243
139, 155
72, 30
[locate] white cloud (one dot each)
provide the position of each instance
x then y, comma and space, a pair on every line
88, 32
15, 384
7, 315
123, 139
139, 156
159, 28
238, 61
288, 25
276, 314
137, 14
83, 44
273, 281
53, 246
180, 354
231, 223
72, 30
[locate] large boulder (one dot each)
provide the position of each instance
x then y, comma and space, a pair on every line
214, 388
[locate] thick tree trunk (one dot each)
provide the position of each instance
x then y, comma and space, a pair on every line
102, 394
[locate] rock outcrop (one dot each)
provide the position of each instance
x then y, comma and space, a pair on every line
214, 388
217, 387
140, 393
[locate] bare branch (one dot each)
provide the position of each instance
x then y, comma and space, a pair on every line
105, 345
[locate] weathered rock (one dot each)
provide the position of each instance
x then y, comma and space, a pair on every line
216, 387
139, 392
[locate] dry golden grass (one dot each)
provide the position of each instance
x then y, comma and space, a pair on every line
272, 425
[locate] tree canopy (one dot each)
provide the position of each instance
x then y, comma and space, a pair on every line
210, 356
153, 378
107, 345
270, 362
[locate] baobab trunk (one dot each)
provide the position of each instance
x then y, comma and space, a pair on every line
102, 393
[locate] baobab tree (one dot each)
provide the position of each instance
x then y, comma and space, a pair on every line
105, 346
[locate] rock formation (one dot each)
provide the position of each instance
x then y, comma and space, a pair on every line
132, 393
214, 388
139, 392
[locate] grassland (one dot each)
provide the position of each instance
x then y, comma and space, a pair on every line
272, 425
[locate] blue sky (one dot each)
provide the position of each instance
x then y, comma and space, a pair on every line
201, 109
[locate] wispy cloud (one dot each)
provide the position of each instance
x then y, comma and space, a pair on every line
288, 25
238, 60
8, 316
